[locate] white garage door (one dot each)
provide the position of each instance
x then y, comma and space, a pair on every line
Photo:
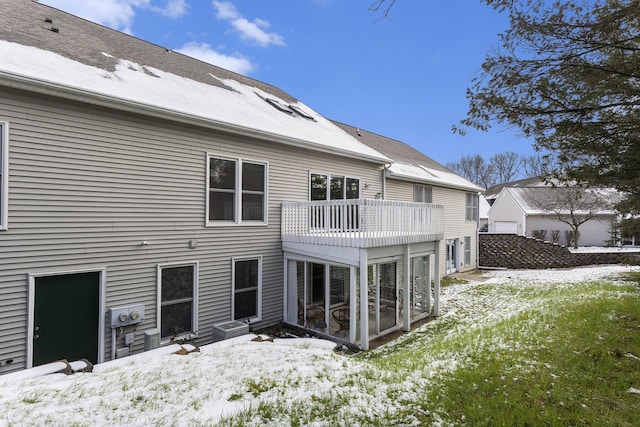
506, 227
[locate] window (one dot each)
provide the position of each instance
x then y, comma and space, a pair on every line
339, 217
247, 288
339, 285
339, 187
471, 207
177, 300
467, 250
422, 194
4, 174
237, 191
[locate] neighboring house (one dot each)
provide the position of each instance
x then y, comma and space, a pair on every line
491, 193
484, 207
531, 210
148, 195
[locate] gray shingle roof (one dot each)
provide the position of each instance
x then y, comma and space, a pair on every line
392, 148
23, 21
86, 62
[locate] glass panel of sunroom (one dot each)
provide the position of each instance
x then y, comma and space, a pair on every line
315, 297
340, 286
420, 287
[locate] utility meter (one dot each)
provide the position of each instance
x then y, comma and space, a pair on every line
125, 316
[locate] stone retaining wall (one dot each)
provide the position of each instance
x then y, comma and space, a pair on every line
518, 252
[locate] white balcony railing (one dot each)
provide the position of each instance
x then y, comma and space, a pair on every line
361, 223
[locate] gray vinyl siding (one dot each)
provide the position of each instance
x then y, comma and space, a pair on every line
455, 225
88, 185
399, 190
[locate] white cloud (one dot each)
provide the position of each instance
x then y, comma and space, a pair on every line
253, 31
226, 10
116, 14
173, 8
206, 53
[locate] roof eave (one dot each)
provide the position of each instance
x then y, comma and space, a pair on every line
438, 183
30, 84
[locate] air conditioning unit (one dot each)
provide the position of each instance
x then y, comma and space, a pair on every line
122, 352
151, 339
230, 329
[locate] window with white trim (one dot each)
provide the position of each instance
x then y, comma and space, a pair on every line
247, 288
236, 191
4, 174
471, 207
333, 187
177, 300
422, 193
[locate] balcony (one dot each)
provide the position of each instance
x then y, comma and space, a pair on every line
361, 223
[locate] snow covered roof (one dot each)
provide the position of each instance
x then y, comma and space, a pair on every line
492, 192
531, 199
76, 59
409, 163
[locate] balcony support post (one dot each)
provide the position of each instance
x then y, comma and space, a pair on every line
436, 274
364, 301
406, 288
353, 307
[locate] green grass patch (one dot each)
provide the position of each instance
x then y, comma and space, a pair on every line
510, 354
573, 367
451, 280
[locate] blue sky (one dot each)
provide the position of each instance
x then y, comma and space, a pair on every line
403, 77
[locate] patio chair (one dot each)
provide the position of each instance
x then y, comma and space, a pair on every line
341, 316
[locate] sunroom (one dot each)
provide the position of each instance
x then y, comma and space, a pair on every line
358, 269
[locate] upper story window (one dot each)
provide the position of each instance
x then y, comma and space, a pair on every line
177, 300
237, 191
422, 193
4, 174
471, 207
332, 187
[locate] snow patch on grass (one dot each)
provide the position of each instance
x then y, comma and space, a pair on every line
303, 379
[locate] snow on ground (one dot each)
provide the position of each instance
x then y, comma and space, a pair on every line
231, 376
569, 275
608, 249
197, 388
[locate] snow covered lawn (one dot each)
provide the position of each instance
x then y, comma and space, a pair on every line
304, 381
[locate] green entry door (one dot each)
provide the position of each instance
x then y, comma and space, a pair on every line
66, 317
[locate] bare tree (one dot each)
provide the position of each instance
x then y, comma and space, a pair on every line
379, 5
505, 166
540, 165
571, 205
475, 169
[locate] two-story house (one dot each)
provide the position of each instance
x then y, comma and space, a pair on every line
145, 191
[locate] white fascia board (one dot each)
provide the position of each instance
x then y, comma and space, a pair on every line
29, 84
437, 183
